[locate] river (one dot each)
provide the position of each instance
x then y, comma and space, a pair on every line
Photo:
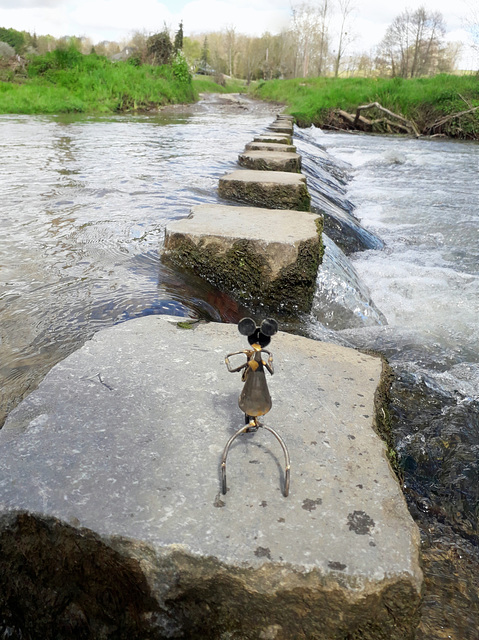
84, 202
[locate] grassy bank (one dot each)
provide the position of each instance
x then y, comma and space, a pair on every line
207, 84
425, 101
65, 81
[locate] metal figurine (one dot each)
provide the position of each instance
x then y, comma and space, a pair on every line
255, 399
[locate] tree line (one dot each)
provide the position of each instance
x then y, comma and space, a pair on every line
319, 41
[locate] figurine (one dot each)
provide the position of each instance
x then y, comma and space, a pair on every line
255, 399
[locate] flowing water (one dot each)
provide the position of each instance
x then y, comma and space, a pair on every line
83, 206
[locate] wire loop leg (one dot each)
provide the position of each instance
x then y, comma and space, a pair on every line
287, 461
245, 429
225, 453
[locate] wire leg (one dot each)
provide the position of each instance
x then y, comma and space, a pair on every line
287, 461
245, 429
225, 453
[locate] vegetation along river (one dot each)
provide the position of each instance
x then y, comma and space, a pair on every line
83, 205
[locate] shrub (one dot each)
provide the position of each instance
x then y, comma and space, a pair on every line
180, 67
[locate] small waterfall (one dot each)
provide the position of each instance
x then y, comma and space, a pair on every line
341, 300
327, 178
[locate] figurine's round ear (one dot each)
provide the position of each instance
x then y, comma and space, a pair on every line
247, 326
269, 327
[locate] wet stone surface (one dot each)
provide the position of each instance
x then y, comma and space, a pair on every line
125, 438
270, 161
270, 189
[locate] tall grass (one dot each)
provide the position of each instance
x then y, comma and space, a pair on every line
424, 100
65, 81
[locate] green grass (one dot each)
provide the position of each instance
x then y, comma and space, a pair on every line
423, 100
65, 81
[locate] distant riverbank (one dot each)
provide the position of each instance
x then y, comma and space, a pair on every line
441, 105
66, 81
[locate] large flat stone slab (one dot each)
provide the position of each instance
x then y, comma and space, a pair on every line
270, 146
270, 161
270, 189
228, 247
123, 532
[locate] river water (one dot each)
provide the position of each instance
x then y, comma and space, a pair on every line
83, 206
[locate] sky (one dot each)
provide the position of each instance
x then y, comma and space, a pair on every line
118, 19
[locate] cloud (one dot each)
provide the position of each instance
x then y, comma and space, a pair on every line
42, 21
248, 17
97, 17
30, 4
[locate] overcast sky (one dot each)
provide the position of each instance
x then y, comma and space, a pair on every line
117, 19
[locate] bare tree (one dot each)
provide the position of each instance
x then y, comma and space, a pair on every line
472, 26
346, 8
412, 43
310, 32
230, 38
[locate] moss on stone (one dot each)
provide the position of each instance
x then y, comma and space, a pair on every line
382, 422
245, 273
263, 195
240, 270
292, 165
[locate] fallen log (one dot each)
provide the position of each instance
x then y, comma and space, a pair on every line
354, 121
375, 105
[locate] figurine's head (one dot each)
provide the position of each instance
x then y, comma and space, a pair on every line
258, 335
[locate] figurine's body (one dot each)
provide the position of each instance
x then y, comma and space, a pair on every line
255, 399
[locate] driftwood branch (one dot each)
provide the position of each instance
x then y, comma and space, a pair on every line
442, 121
375, 105
399, 124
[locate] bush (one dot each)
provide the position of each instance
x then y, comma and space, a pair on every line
180, 68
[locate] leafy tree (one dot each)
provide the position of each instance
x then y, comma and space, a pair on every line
14, 38
192, 51
159, 48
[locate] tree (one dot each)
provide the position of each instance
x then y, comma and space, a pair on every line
472, 26
346, 8
412, 43
159, 48
230, 37
13, 37
192, 51
178, 44
310, 33
205, 56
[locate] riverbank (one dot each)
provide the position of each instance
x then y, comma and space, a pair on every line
66, 81
445, 105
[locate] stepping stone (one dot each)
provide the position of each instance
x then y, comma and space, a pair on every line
281, 127
273, 137
270, 189
228, 247
113, 516
270, 146
271, 161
